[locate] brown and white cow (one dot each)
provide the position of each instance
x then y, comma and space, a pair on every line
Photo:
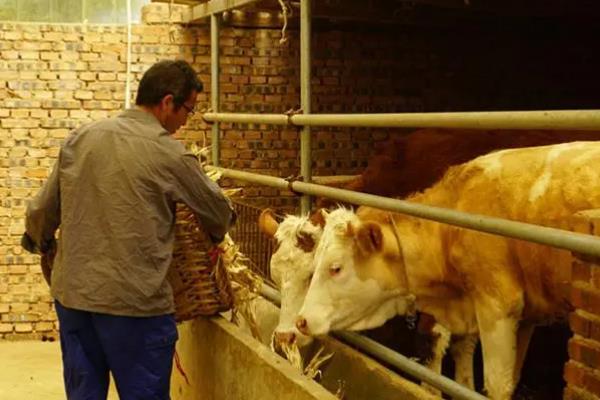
292, 268
408, 163
371, 265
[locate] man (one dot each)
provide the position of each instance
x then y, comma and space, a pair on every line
112, 192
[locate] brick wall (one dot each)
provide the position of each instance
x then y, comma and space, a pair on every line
56, 77
582, 372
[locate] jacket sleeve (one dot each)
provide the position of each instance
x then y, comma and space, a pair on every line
205, 198
42, 217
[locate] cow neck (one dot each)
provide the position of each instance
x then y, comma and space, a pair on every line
411, 314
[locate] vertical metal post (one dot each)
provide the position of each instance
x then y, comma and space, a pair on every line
214, 83
305, 97
128, 70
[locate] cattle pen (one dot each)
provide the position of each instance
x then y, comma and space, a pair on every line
301, 93
578, 243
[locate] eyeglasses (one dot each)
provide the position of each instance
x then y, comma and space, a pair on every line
189, 109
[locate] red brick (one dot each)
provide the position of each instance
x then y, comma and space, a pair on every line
252, 135
23, 327
258, 79
595, 280
591, 382
579, 325
585, 351
595, 330
586, 298
581, 271
574, 373
576, 393
44, 326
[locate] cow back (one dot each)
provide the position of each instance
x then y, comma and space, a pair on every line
412, 162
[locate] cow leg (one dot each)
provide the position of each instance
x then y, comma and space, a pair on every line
462, 351
499, 347
524, 335
440, 345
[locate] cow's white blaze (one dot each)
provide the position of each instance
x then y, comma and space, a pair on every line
337, 297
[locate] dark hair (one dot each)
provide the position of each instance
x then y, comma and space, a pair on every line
167, 77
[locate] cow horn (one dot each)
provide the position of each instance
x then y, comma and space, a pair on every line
267, 223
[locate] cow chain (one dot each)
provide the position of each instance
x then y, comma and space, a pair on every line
411, 313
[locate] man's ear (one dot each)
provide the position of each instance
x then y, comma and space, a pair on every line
168, 101
369, 238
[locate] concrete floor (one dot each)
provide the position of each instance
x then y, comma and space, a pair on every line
32, 370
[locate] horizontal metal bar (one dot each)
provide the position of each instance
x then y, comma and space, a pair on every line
399, 361
382, 353
560, 119
576, 242
269, 119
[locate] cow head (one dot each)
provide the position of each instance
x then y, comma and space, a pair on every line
358, 281
292, 267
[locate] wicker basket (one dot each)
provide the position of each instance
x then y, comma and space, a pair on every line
198, 277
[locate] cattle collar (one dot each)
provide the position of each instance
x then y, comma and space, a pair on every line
411, 299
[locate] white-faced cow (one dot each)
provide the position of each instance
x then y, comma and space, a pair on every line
292, 268
371, 265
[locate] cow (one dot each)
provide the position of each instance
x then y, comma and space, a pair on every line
292, 269
372, 264
408, 163
411, 162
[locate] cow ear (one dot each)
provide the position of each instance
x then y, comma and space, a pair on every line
267, 223
318, 217
369, 238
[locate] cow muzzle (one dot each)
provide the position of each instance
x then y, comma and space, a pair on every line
287, 338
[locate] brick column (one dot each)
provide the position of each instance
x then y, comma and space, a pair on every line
582, 371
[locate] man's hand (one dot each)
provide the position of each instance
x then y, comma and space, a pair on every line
47, 262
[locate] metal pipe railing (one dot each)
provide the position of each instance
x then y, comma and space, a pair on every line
576, 242
560, 119
382, 353
214, 84
305, 96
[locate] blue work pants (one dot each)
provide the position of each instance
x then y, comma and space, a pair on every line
137, 350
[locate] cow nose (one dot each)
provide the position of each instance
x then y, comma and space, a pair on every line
302, 325
285, 337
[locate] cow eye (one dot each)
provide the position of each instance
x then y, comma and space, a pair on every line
335, 269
